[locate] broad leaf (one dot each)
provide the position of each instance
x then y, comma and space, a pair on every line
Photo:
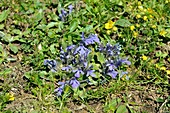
4, 15
13, 48
73, 25
122, 109
123, 23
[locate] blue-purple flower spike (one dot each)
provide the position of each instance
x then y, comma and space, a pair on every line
60, 89
112, 73
70, 8
91, 39
74, 83
51, 63
78, 72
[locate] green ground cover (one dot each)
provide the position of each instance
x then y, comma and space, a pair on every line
97, 56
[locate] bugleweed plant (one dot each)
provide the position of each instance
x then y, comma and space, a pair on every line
78, 63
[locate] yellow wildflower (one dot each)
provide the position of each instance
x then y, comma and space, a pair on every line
144, 10
145, 18
144, 57
11, 96
168, 72
108, 32
153, 26
150, 16
109, 24
137, 25
139, 3
150, 10
162, 33
115, 28
167, 1
132, 27
138, 16
140, 7
156, 65
135, 34
162, 68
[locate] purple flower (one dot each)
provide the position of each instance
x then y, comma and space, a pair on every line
63, 12
69, 48
70, 8
91, 39
112, 73
82, 36
67, 68
85, 64
91, 73
111, 65
60, 89
51, 63
82, 50
74, 83
62, 15
78, 72
123, 61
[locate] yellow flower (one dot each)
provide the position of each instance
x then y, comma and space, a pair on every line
11, 96
156, 65
115, 28
153, 26
108, 32
150, 16
144, 57
144, 10
138, 16
162, 33
109, 25
139, 3
137, 25
162, 68
145, 18
132, 27
140, 7
168, 72
150, 10
135, 34
167, 1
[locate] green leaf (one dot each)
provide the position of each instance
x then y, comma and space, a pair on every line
39, 15
2, 34
100, 57
1, 48
53, 49
122, 109
16, 31
73, 25
4, 15
51, 24
123, 23
13, 48
1, 26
